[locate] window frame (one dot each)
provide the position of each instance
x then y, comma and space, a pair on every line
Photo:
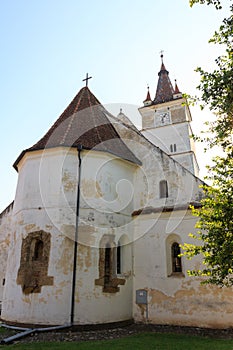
172, 239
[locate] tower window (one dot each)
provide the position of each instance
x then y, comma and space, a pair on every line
173, 148
163, 189
176, 259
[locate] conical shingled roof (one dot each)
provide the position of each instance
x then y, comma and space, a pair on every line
84, 122
177, 91
165, 91
148, 98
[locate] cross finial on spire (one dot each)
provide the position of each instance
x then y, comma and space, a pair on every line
86, 79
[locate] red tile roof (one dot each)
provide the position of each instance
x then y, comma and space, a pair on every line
85, 121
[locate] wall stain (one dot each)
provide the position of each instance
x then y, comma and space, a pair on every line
84, 257
64, 264
30, 227
69, 183
187, 301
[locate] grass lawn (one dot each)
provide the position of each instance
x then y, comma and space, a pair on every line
145, 341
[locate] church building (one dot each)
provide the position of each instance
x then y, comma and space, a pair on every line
100, 211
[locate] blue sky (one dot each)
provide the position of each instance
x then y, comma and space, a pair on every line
47, 47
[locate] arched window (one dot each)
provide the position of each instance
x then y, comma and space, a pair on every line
108, 265
163, 189
34, 261
38, 250
176, 259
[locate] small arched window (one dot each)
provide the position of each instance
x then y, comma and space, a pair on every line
176, 259
38, 250
163, 189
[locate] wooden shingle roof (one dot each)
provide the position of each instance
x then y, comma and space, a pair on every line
165, 91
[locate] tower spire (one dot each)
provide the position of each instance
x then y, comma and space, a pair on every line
164, 91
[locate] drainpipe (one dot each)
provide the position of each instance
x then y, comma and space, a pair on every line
26, 331
79, 148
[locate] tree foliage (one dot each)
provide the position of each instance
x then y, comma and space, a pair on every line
216, 3
215, 224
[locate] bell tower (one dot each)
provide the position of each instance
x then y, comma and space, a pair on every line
166, 122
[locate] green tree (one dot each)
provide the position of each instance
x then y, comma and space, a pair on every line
215, 224
216, 3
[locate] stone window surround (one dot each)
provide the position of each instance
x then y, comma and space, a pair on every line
110, 282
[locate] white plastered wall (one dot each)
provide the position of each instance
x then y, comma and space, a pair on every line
46, 200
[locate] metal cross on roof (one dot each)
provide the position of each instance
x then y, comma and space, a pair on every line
86, 79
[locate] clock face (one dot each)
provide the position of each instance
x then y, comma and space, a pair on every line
164, 117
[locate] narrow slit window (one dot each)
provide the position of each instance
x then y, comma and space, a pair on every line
38, 250
107, 265
119, 251
171, 148
163, 189
176, 259
174, 147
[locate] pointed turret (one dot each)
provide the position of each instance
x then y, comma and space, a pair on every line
148, 100
123, 118
165, 91
177, 93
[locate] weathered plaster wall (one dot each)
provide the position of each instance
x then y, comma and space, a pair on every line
174, 298
163, 137
46, 202
5, 240
183, 187
111, 190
